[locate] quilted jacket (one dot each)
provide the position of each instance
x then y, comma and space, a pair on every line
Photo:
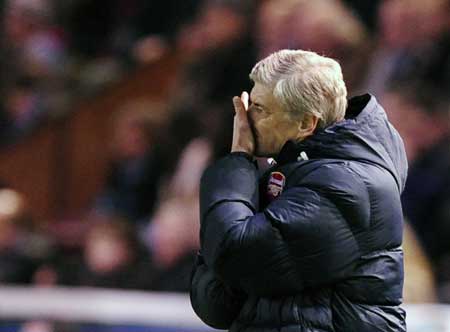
315, 243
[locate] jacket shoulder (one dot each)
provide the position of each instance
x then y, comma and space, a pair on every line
340, 182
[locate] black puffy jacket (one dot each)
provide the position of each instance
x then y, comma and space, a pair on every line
325, 254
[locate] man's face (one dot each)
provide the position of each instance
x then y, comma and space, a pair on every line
271, 125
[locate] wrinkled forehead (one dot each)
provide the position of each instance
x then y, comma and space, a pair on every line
261, 93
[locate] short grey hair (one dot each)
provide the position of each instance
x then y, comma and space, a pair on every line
304, 82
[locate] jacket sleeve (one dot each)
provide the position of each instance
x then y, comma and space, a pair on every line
301, 239
214, 302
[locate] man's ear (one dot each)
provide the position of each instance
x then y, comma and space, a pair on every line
307, 126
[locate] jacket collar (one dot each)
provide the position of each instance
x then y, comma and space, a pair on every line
323, 139
289, 153
365, 135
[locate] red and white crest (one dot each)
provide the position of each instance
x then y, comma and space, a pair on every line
275, 186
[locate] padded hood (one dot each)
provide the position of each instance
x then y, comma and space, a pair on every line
364, 135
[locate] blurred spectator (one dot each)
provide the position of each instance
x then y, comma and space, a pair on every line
173, 242
421, 123
219, 23
137, 163
427, 204
425, 128
111, 258
36, 44
220, 47
219, 52
413, 47
33, 62
324, 26
173, 232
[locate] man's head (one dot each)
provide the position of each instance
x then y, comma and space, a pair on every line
295, 92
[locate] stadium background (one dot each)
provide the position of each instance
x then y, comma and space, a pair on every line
110, 110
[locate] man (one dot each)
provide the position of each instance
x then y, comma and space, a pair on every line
316, 246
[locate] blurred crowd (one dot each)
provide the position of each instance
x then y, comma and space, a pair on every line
141, 232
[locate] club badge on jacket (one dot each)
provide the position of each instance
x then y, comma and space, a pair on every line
275, 185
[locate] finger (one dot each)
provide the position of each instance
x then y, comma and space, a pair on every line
245, 98
239, 107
